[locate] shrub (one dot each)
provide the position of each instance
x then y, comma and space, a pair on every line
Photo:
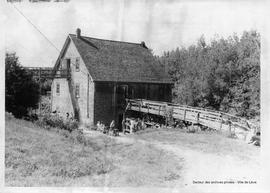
58, 122
70, 125
31, 117
9, 116
55, 121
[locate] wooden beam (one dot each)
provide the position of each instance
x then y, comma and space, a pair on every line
114, 100
88, 80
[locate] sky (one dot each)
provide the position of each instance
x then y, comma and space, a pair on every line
162, 25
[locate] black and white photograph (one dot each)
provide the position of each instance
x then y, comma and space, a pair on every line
134, 96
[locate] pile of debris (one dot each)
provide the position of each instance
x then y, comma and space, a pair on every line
128, 125
131, 125
111, 130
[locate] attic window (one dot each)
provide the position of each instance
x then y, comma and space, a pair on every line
77, 90
77, 66
58, 88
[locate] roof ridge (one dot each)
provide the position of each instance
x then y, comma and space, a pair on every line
109, 40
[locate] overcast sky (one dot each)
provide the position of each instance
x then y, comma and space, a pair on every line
163, 25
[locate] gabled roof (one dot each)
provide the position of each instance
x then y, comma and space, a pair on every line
108, 60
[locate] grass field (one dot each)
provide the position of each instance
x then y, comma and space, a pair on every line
38, 157
154, 157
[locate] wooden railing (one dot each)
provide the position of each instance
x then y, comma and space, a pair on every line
48, 73
62, 74
210, 118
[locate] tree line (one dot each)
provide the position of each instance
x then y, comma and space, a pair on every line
222, 75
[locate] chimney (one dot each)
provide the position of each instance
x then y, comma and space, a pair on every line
78, 33
143, 44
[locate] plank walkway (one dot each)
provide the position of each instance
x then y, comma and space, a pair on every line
206, 117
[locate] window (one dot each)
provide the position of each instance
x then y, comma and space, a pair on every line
77, 64
68, 63
77, 91
57, 88
64, 64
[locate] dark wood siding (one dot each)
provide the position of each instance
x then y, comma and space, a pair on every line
103, 103
110, 107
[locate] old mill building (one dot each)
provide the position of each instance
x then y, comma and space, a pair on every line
93, 77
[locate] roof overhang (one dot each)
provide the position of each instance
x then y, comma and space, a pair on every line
62, 52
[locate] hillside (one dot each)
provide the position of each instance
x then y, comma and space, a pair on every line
38, 157
153, 157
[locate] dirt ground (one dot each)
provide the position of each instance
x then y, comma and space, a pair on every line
206, 156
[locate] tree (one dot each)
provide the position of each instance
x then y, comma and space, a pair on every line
21, 91
223, 75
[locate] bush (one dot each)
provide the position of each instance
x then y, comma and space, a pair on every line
70, 125
58, 122
31, 117
53, 121
9, 116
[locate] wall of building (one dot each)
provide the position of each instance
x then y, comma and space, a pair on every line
106, 109
104, 104
61, 102
86, 85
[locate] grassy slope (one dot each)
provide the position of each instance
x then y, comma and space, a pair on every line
37, 157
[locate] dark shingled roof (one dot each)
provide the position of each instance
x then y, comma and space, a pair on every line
109, 60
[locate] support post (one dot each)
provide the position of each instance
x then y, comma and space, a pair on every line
124, 122
87, 95
220, 127
39, 104
114, 100
230, 127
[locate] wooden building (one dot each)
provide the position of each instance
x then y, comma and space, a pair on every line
93, 77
